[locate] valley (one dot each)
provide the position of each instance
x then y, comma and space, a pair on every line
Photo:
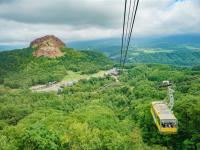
93, 110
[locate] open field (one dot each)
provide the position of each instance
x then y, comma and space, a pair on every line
70, 77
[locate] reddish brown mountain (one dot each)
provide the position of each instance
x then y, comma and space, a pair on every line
47, 46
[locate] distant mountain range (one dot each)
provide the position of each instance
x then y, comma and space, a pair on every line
6, 47
150, 42
180, 49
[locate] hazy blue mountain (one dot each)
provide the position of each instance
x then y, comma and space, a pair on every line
11, 47
150, 42
178, 49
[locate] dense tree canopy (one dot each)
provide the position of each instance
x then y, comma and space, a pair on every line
90, 115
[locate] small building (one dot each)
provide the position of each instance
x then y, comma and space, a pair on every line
59, 91
112, 72
69, 83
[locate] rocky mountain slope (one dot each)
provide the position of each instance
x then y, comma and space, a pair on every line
47, 46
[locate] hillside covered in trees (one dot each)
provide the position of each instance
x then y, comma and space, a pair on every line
19, 68
182, 50
87, 116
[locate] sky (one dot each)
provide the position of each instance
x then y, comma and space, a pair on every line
21, 21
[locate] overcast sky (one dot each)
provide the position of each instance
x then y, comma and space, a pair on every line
21, 21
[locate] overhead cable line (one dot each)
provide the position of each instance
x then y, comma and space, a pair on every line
134, 12
122, 45
125, 29
128, 25
133, 16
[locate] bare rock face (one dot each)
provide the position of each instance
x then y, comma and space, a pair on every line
47, 46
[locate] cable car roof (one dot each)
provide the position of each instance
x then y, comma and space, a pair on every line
167, 116
163, 111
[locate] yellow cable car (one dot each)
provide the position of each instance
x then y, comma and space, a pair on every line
162, 113
165, 120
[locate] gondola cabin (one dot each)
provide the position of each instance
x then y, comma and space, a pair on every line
164, 118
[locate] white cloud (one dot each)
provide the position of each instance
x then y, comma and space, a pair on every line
168, 17
79, 13
23, 20
22, 33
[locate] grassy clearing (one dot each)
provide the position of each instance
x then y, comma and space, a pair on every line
78, 76
149, 51
192, 47
138, 51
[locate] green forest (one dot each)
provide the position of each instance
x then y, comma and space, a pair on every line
90, 115
20, 69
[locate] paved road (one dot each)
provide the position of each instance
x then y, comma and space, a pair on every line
56, 86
